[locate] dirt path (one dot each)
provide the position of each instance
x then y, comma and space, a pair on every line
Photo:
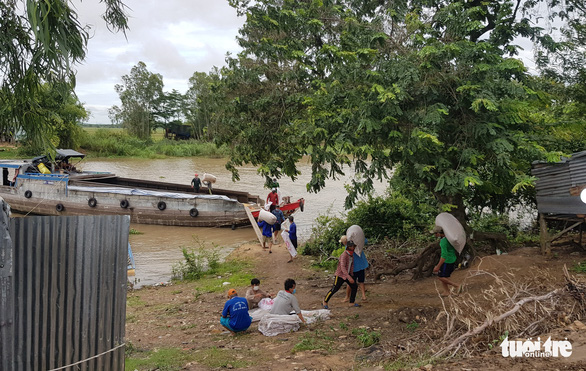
174, 316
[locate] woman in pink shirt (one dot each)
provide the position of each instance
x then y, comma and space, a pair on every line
344, 274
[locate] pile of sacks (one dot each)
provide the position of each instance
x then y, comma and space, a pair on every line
275, 324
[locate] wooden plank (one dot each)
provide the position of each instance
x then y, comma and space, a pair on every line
248, 209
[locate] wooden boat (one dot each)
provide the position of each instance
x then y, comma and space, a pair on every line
288, 207
55, 187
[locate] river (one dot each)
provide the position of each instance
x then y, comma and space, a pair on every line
157, 248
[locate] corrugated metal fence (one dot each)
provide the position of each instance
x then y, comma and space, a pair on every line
555, 182
63, 294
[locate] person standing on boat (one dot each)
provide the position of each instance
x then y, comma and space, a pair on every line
276, 210
196, 183
273, 197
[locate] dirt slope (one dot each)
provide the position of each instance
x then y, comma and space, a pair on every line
398, 308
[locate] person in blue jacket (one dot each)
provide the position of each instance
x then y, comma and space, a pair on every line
360, 265
292, 232
235, 317
267, 235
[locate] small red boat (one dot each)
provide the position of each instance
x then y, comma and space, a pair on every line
287, 208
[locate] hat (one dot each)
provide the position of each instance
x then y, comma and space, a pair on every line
232, 292
350, 243
343, 239
437, 229
196, 174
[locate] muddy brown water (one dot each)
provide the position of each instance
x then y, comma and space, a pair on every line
158, 248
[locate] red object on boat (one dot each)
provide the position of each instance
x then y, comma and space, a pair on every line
288, 208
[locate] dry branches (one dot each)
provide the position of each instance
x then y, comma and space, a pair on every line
526, 306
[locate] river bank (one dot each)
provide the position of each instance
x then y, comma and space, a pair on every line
183, 320
157, 248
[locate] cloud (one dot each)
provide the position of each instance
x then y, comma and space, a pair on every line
174, 38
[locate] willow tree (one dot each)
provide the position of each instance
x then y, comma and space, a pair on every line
40, 42
434, 90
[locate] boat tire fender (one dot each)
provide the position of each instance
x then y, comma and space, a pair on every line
301, 204
124, 204
193, 212
161, 205
92, 202
59, 207
28, 194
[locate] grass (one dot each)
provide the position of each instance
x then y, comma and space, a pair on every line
366, 337
134, 302
238, 273
580, 267
411, 327
163, 359
115, 142
316, 340
220, 358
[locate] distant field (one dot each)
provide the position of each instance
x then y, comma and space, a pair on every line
156, 136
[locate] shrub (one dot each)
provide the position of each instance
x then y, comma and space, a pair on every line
392, 216
325, 236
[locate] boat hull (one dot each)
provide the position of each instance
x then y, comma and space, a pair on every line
46, 195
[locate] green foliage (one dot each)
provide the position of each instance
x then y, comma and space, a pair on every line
366, 337
110, 143
197, 263
495, 222
164, 359
314, 340
140, 94
325, 235
393, 216
134, 231
579, 267
432, 92
41, 42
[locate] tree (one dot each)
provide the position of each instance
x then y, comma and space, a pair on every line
433, 90
169, 109
40, 42
139, 95
200, 104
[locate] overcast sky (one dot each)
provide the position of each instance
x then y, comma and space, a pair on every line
174, 38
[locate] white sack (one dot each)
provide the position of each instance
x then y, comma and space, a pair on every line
355, 234
267, 217
209, 178
452, 229
275, 324
289, 244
